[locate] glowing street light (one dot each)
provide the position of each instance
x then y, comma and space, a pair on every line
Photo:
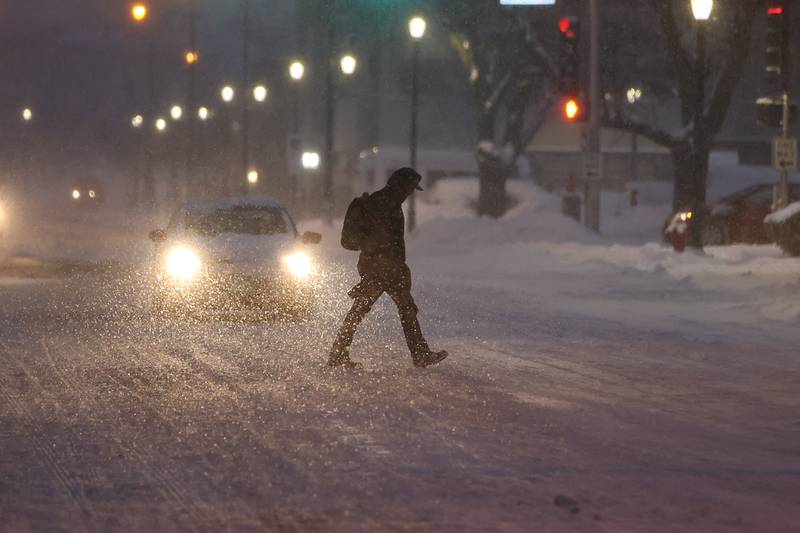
252, 177
701, 9
260, 93
139, 12
192, 57
137, 121
297, 70
161, 124
310, 160
227, 93
27, 114
203, 113
76, 194
348, 64
417, 27
176, 112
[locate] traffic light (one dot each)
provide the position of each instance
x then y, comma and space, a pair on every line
769, 109
573, 106
778, 44
569, 28
573, 109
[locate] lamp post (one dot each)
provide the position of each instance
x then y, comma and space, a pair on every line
297, 71
416, 28
347, 66
701, 9
140, 14
227, 94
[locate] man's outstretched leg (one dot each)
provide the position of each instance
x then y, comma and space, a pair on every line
362, 303
417, 345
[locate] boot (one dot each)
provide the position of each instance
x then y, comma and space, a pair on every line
429, 358
341, 359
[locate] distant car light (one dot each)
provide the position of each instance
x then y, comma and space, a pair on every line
299, 264
183, 264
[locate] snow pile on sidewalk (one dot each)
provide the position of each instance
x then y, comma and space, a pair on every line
782, 215
536, 251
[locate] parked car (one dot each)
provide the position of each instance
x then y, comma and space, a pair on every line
739, 217
233, 254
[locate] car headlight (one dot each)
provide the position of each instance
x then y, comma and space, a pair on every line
183, 264
299, 264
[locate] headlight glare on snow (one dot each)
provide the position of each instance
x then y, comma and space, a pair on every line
299, 264
183, 264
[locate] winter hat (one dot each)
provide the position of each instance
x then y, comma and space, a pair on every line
405, 176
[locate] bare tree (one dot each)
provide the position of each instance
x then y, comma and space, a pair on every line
514, 83
730, 35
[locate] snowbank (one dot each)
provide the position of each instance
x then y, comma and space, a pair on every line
782, 215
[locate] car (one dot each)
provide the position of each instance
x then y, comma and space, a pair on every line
86, 193
738, 217
234, 254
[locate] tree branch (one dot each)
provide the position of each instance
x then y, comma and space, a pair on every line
659, 137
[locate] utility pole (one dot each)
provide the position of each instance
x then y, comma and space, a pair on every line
593, 155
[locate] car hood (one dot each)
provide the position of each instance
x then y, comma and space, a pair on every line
230, 251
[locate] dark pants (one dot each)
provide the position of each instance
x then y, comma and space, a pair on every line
379, 276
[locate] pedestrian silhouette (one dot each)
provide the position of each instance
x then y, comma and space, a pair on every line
375, 226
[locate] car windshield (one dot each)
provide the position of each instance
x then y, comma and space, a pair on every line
239, 220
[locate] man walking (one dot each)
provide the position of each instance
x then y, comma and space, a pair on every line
375, 225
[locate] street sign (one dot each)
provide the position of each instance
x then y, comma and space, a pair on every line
784, 153
593, 166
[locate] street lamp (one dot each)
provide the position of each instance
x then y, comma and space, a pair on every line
260, 93
252, 177
701, 9
348, 64
192, 57
137, 121
139, 12
203, 113
176, 112
310, 160
416, 28
227, 94
297, 70
161, 124
27, 114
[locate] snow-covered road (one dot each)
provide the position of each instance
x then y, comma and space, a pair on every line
548, 416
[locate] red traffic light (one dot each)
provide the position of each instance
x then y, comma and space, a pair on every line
567, 26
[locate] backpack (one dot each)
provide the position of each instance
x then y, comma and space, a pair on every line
354, 230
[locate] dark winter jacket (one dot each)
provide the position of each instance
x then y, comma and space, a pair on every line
385, 239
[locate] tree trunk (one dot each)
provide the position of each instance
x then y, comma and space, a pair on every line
492, 199
691, 171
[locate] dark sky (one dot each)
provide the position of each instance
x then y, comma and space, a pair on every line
80, 64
